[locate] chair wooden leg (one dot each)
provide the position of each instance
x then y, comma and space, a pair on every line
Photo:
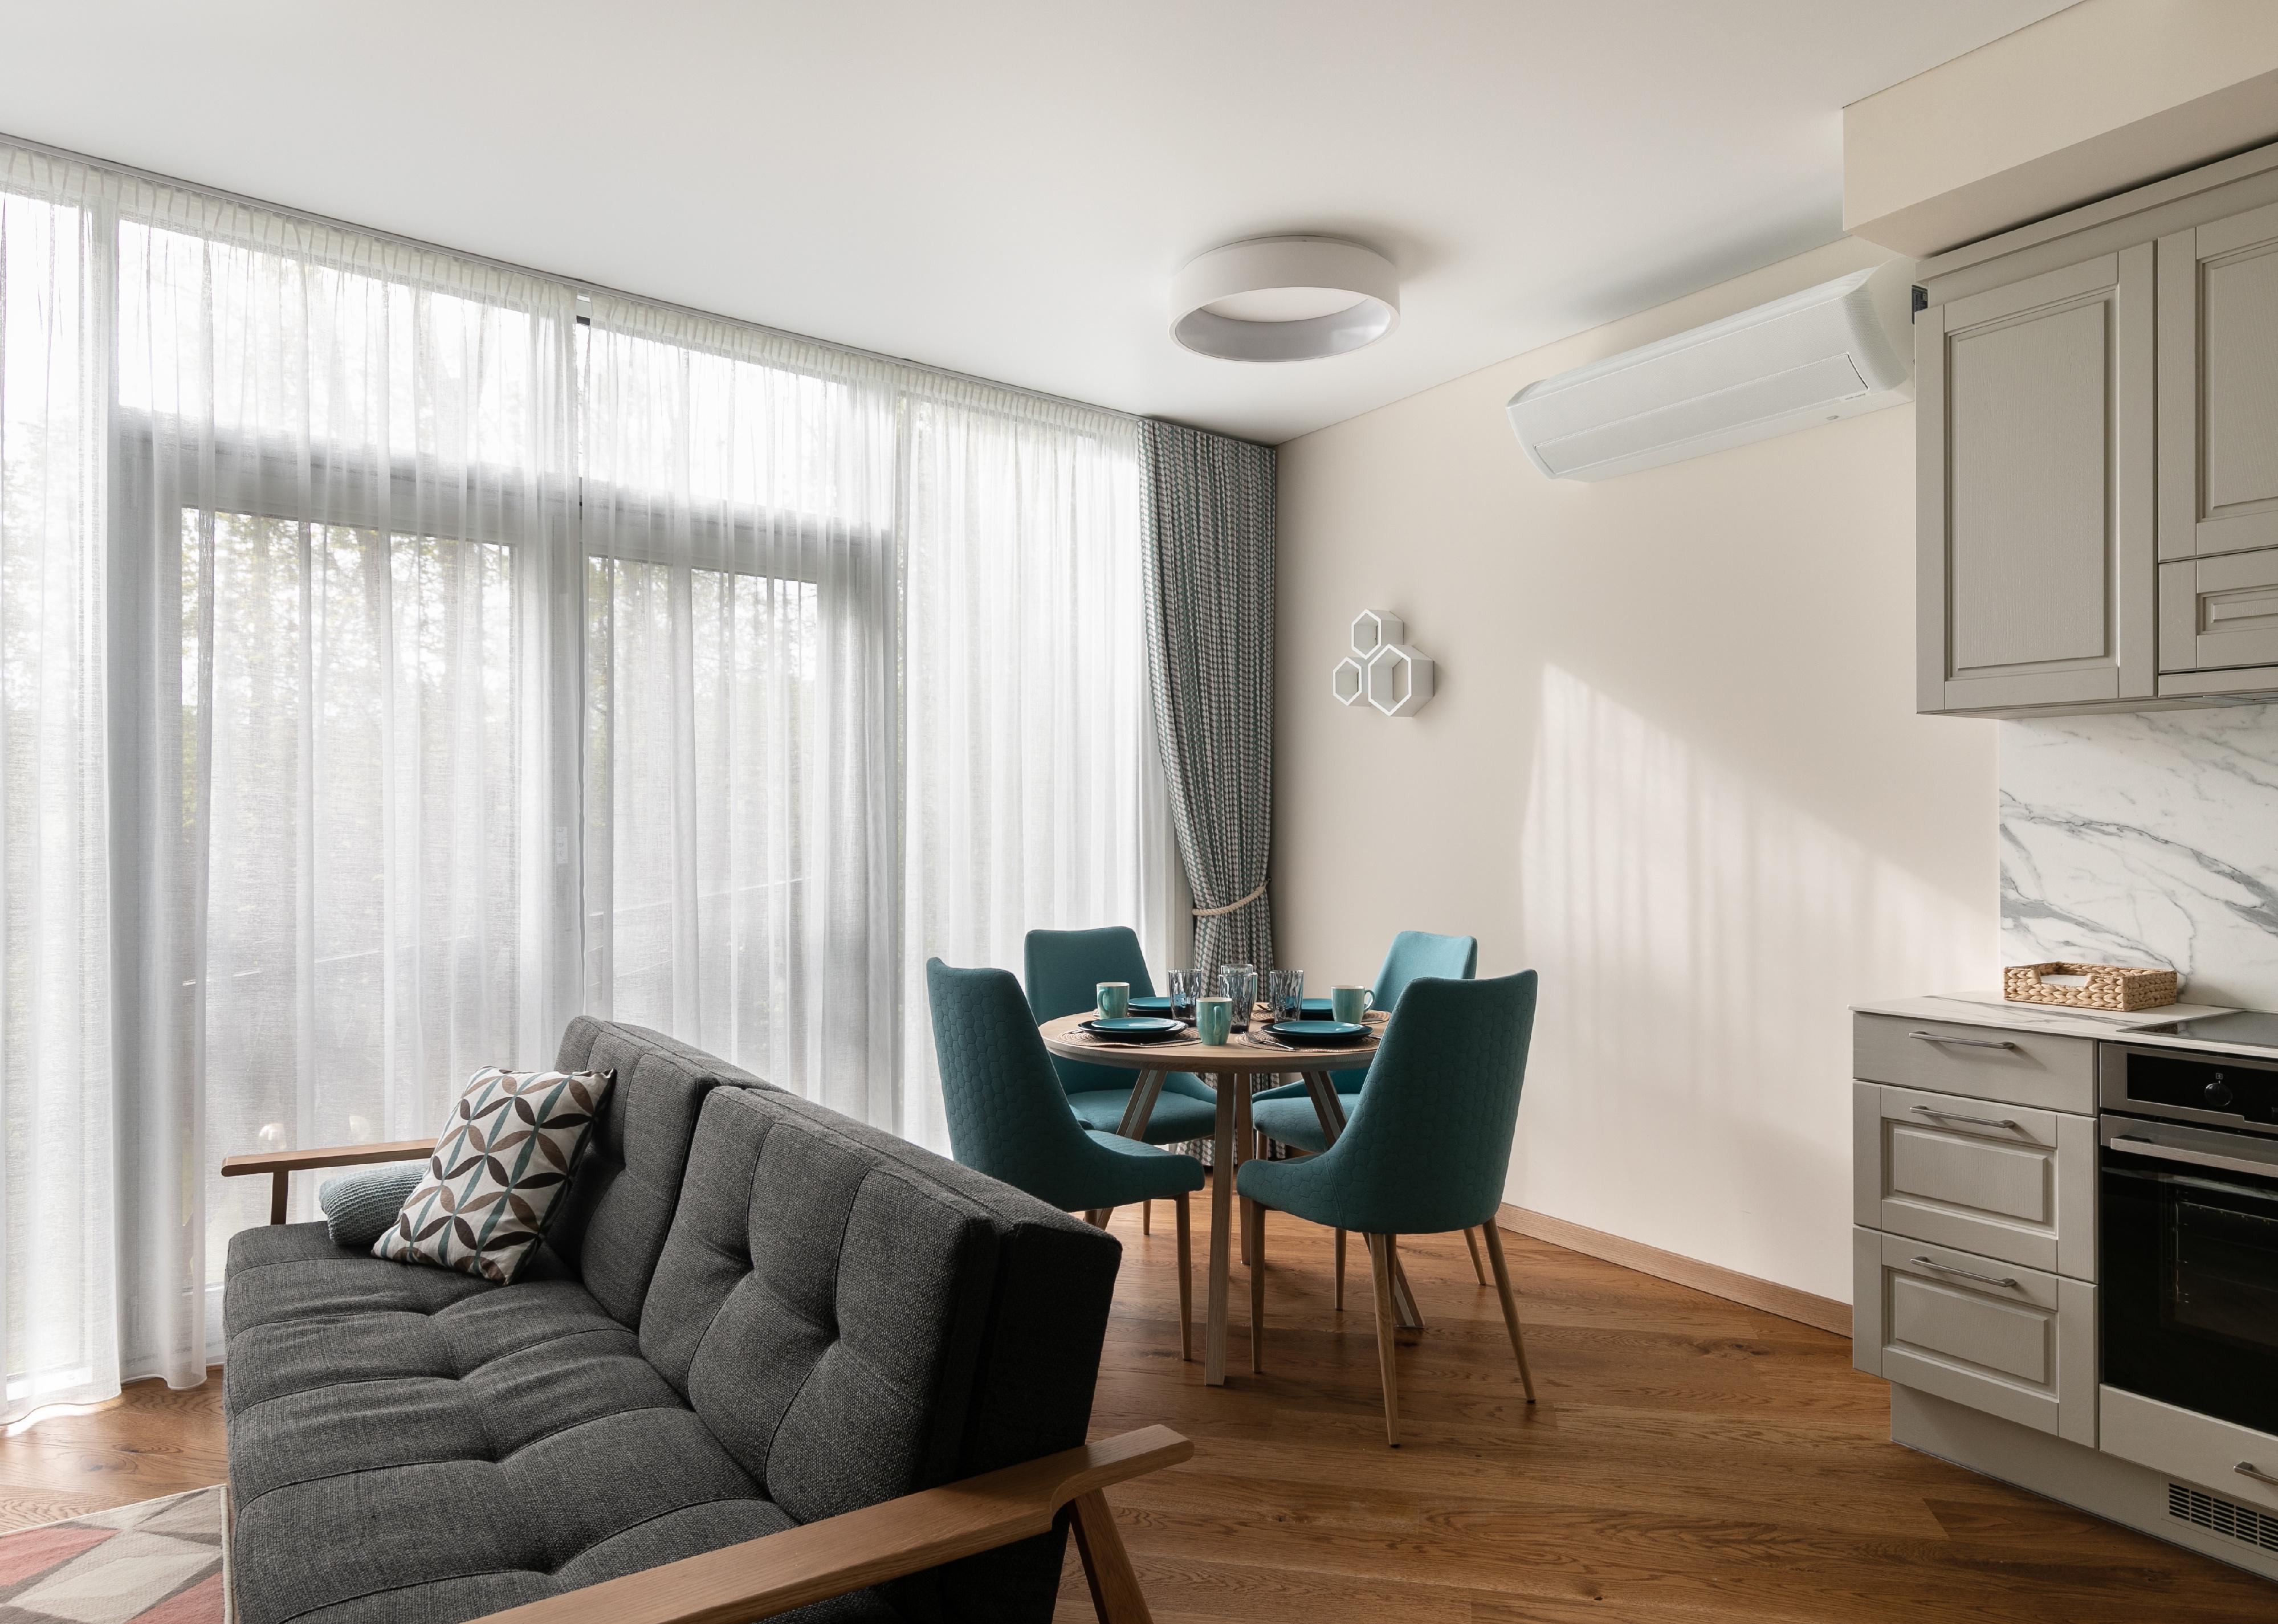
1186, 1282
1147, 1220
1509, 1306
1387, 1322
1479, 1264
1340, 1298
1115, 1594
1253, 1220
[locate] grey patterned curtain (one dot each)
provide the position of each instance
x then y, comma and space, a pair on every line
1209, 664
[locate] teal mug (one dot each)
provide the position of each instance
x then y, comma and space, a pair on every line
1114, 999
1214, 1019
1350, 1003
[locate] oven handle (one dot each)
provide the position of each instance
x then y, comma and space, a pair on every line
2136, 1144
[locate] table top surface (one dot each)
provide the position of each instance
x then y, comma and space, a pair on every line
1246, 1052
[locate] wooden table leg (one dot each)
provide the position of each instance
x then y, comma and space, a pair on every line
1329, 1107
1222, 1230
1138, 1111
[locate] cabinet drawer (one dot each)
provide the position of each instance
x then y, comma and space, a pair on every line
2005, 1181
2216, 613
1976, 1063
2010, 1341
2198, 1449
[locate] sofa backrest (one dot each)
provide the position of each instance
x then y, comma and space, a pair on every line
856, 1318
612, 1223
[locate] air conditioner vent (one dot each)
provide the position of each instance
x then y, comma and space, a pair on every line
2227, 1518
1832, 351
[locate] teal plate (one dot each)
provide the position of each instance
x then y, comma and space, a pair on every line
1135, 1028
1150, 1006
1318, 1034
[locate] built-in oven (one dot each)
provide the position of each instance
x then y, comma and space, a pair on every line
2187, 1221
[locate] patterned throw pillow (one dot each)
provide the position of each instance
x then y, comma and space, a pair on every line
497, 1172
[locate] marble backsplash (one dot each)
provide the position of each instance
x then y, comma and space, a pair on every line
2146, 839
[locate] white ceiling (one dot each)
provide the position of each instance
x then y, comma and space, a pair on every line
1004, 187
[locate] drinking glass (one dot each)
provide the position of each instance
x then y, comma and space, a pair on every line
1185, 986
1239, 983
1285, 995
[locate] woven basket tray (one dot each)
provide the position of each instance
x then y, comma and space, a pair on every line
2110, 986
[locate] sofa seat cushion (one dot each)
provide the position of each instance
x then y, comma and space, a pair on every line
420, 1446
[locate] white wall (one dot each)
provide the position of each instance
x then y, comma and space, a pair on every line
1673, 764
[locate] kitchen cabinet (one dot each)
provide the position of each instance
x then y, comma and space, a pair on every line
2035, 451
2097, 442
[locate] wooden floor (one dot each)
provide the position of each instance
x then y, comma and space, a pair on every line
1690, 1460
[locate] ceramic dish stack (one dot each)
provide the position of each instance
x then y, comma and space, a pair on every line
1317, 1034
1135, 1028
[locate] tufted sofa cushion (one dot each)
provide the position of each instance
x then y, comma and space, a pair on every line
855, 1318
613, 1221
415, 1445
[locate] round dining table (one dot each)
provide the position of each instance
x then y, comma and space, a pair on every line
1229, 1069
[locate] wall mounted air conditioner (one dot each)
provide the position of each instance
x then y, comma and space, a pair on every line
1835, 350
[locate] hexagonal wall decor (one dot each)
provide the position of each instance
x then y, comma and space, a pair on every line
1384, 669
1399, 679
1372, 628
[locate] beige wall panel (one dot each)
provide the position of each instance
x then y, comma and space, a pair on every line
1673, 764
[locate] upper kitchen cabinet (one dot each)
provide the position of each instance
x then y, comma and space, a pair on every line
2097, 454
2034, 456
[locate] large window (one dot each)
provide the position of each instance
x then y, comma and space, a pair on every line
399, 655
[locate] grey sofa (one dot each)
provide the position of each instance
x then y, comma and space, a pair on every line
753, 1317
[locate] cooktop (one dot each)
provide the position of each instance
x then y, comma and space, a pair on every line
2253, 1028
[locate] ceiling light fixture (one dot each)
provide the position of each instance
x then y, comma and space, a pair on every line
1284, 299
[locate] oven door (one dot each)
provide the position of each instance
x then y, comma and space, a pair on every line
2188, 1275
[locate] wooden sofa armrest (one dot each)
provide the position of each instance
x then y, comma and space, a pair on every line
778, 1572
280, 1165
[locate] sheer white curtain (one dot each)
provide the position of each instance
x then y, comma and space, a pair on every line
344, 531
740, 613
1030, 772
400, 653
57, 1335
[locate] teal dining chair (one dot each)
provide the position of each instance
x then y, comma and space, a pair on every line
1426, 1152
1287, 1115
1063, 970
1009, 1118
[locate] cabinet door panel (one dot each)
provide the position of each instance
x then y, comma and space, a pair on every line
2012, 1342
2220, 613
2038, 516
2219, 387
2000, 1180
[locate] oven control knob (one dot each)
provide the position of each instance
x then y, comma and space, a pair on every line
2218, 1095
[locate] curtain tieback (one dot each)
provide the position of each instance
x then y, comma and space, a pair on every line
1211, 914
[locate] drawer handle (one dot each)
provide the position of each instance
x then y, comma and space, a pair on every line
2247, 1469
2007, 1281
1947, 1037
1982, 1122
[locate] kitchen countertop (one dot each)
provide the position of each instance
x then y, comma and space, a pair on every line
1990, 1009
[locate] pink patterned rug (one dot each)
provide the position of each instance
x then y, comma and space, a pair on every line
155, 1562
